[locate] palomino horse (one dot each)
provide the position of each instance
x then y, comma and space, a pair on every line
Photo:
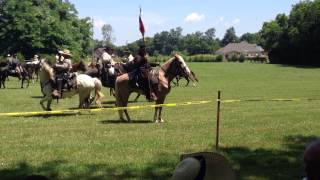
85, 84
175, 66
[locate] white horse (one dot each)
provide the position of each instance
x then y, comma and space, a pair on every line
85, 84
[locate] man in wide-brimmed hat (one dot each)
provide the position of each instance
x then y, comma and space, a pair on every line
62, 69
203, 166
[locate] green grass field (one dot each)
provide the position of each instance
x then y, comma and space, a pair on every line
262, 140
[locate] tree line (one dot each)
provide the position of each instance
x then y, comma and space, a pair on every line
45, 26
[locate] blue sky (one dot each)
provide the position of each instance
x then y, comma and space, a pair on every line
191, 15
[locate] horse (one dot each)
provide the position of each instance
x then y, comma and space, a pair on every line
79, 67
4, 68
178, 78
20, 72
85, 84
172, 68
107, 80
33, 68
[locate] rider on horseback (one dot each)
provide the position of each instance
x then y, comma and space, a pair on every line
15, 66
62, 70
139, 69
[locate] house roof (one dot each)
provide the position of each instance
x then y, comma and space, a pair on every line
242, 47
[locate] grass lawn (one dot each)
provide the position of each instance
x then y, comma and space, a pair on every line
262, 140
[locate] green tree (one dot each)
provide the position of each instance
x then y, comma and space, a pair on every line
42, 26
229, 37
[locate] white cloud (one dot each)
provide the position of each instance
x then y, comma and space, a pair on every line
236, 21
98, 23
221, 19
194, 17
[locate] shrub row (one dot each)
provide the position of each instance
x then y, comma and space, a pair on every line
194, 58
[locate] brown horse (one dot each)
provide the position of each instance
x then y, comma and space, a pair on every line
79, 66
174, 67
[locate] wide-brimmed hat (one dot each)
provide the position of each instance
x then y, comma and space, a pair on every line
36, 56
208, 165
8, 55
65, 52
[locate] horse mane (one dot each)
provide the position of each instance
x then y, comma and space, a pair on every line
48, 70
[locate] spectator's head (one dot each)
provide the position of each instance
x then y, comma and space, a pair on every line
203, 165
311, 159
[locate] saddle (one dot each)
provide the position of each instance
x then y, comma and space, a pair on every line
69, 81
146, 79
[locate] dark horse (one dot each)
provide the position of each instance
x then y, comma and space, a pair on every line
20, 72
107, 79
174, 67
178, 78
79, 66
4, 68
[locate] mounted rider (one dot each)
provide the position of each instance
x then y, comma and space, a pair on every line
138, 70
62, 69
14, 65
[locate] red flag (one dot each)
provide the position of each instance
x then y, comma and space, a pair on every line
141, 26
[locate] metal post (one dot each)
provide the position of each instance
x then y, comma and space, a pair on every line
218, 120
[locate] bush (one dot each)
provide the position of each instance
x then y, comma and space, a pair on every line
234, 58
219, 58
241, 58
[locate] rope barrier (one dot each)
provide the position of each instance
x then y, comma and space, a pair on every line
81, 111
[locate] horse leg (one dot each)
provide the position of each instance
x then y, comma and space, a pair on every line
81, 99
121, 101
157, 113
45, 98
137, 97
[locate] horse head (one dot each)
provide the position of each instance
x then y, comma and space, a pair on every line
182, 68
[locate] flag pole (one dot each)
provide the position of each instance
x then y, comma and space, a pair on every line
141, 27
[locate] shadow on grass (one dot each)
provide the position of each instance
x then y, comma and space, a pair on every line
249, 164
125, 122
161, 168
299, 66
270, 164
36, 97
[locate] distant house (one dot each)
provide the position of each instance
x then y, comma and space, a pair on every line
249, 51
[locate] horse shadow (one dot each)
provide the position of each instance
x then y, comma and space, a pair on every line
126, 122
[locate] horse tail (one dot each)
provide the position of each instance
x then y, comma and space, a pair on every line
98, 91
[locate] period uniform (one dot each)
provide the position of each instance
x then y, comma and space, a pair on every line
62, 69
139, 67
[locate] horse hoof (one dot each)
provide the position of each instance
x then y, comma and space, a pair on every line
49, 109
161, 120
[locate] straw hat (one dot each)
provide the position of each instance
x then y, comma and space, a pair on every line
65, 52
203, 165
